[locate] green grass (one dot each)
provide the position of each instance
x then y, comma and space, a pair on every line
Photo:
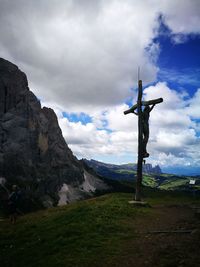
164, 197
173, 184
86, 233
90, 233
149, 181
166, 175
124, 171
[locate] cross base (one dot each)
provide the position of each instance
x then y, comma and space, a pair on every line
139, 203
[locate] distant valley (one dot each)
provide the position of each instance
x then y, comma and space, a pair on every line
152, 176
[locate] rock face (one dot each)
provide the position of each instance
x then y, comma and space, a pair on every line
148, 168
33, 152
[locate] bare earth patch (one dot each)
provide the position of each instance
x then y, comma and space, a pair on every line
170, 237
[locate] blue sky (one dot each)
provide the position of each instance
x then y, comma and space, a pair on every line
81, 59
179, 60
179, 66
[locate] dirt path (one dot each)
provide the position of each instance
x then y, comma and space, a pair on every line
169, 249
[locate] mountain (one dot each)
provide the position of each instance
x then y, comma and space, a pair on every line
153, 177
120, 172
33, 152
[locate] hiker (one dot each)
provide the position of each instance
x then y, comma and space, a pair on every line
12, 204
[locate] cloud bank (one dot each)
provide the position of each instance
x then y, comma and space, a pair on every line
173, 132
83, 56
85, 53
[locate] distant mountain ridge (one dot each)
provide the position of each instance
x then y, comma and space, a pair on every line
121, 172
152, 176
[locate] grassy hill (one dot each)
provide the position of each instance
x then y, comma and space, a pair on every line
103, 231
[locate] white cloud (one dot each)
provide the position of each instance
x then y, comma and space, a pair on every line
173, 131
182, 16
175, 142
173, 134
193, 108
76, 56
117, 121
172, 99
88, 141
167, 160
81, 54
170, 114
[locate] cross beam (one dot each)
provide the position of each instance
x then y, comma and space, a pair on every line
144, 103
143, 133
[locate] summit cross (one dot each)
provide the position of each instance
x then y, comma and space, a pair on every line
143, 132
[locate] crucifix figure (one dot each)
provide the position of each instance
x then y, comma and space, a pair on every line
143, 132
145, 114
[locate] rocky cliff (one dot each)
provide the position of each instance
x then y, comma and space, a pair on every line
33, 152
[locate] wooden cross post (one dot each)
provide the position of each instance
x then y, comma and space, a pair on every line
140, 144
143, 133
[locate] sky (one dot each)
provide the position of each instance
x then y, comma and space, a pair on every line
81, 58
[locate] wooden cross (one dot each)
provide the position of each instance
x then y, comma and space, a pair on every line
143, 133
